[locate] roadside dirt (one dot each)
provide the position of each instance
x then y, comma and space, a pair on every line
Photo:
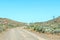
47, 35
19, 34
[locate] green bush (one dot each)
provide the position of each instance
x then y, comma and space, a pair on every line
47, 29
1, 29
57, 31
39, 28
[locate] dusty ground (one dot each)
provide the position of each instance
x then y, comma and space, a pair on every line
25, 34
19, 34
47, 35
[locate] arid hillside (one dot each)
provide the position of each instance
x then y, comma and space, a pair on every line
8, 23
50, 26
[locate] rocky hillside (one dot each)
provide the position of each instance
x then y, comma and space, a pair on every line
51, 26
52, 23
8, 23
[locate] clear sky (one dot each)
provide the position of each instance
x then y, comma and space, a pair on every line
29, 10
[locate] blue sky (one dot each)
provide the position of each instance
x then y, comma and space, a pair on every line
29, 10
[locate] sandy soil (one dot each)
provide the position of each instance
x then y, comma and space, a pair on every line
19, 34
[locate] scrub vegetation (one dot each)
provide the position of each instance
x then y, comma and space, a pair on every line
7, 24
50, 26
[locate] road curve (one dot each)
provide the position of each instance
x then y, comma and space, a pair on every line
18, 34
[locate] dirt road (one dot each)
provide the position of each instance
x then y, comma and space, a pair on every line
19, 34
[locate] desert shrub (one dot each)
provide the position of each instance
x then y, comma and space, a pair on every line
47, 29
1, 28
28, 27
57, 31
39, 28
11, 26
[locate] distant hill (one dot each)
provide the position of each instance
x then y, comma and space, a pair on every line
51, 26
8, 23
53, 23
